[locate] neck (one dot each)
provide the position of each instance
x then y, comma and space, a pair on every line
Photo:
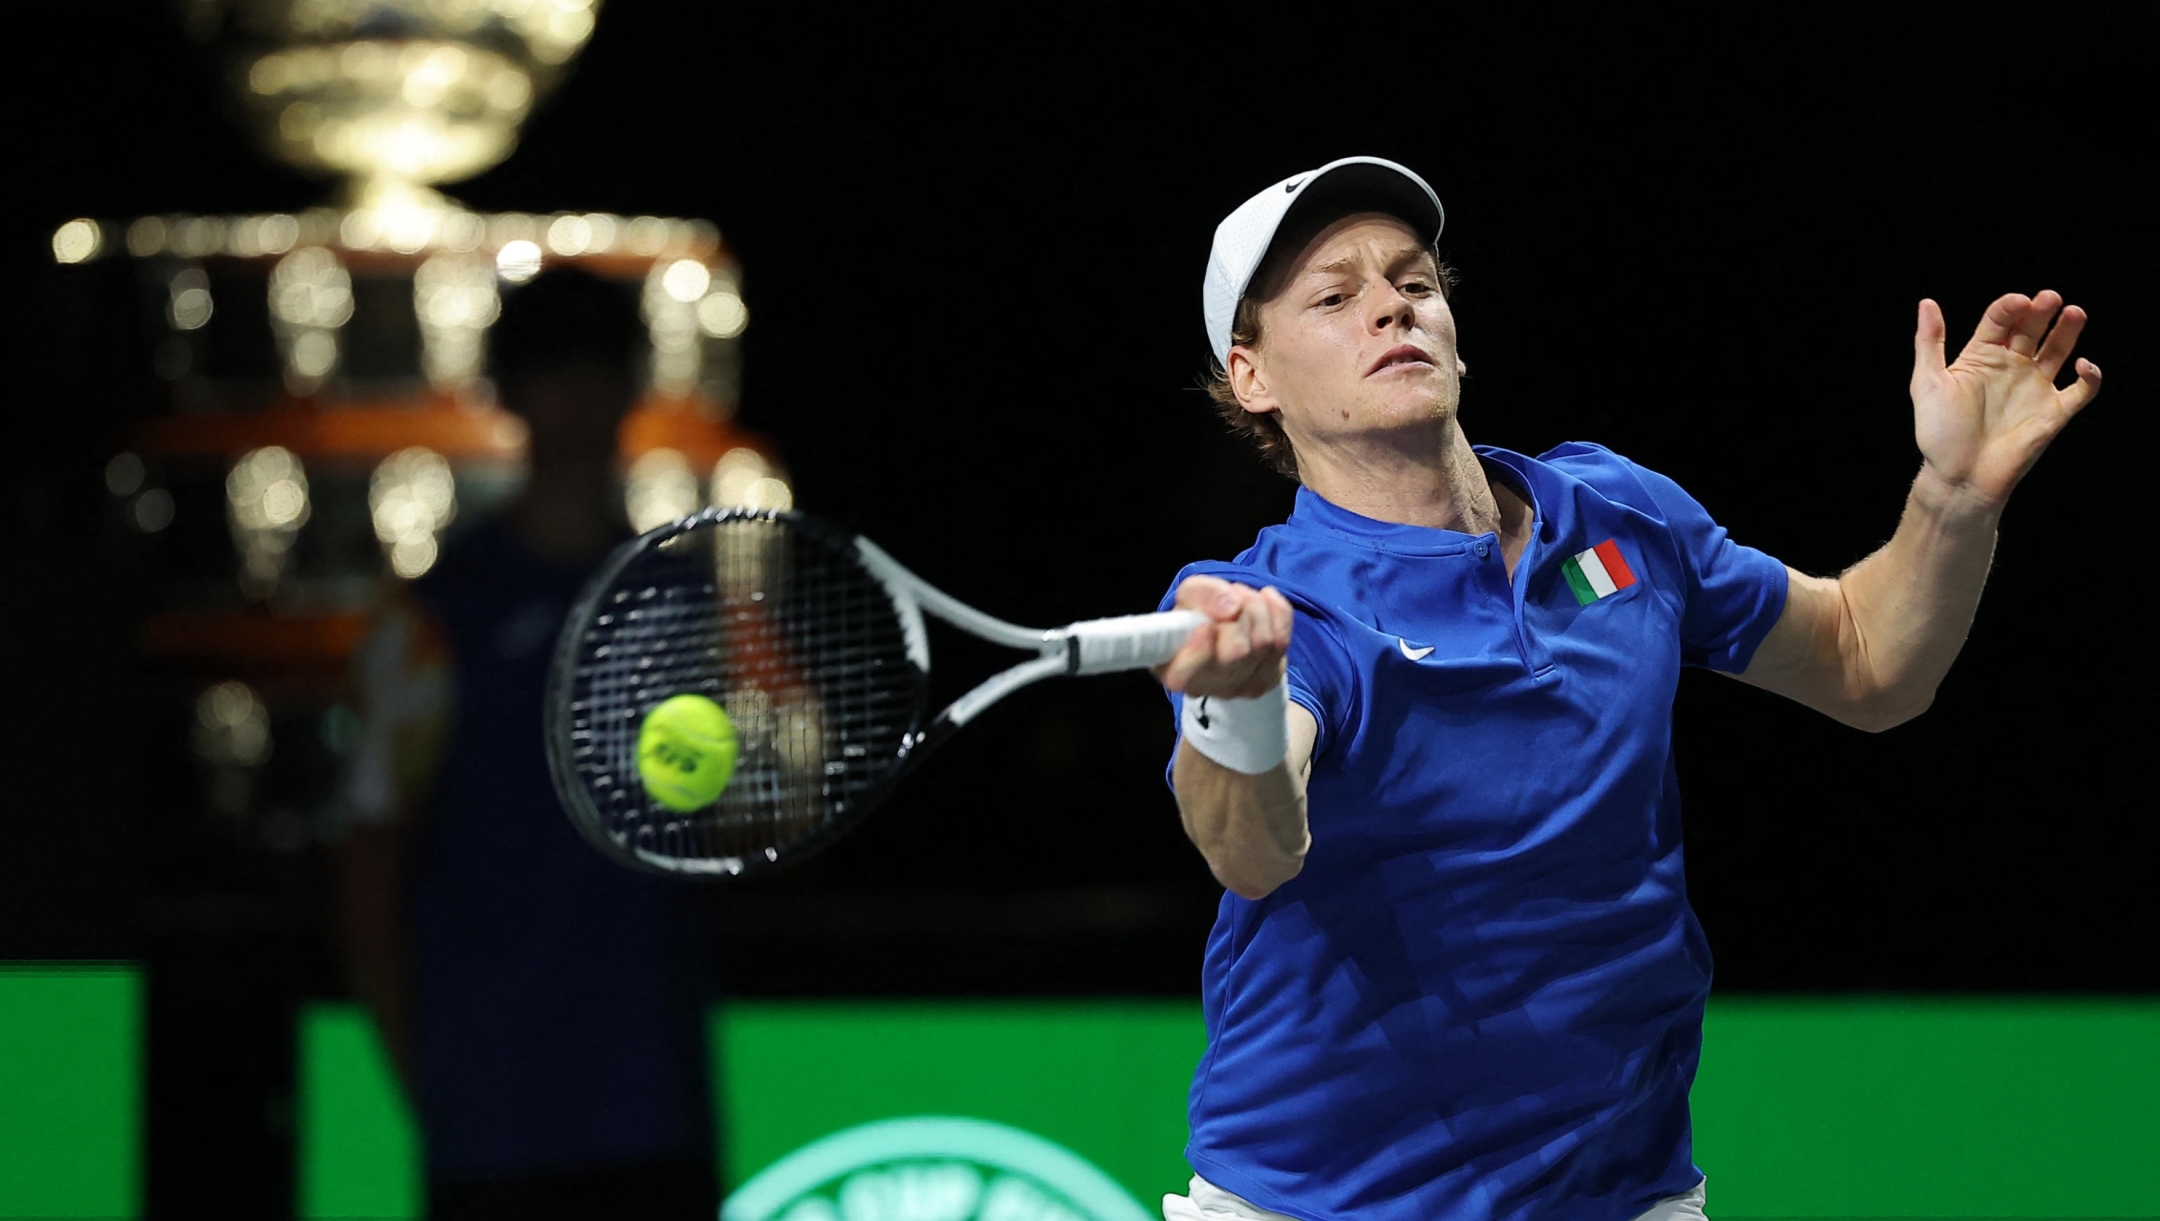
1419, 478
570, 512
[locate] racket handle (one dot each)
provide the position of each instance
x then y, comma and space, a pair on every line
1130, 642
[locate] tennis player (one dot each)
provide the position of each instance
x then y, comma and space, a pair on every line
1427, 744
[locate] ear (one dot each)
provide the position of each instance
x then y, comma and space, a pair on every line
1461, 370
1249, 383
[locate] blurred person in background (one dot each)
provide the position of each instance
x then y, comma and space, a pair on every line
543, 1006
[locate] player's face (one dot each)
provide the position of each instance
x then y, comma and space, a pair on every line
1356, 338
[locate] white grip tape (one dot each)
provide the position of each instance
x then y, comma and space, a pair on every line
1249, 736
1132, 642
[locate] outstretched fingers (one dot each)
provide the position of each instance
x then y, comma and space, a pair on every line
2055, 352
2082, 391
2025, 337
2000, 321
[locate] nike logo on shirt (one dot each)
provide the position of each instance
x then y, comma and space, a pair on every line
1413, 654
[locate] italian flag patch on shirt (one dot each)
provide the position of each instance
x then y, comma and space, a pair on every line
1597, 573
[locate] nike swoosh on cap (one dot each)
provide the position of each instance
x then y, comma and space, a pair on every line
1413, 654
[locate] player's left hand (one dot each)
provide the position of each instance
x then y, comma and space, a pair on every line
1983, 420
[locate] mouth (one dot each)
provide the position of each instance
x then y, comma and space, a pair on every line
1398, 357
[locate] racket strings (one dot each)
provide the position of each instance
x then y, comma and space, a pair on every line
788, 632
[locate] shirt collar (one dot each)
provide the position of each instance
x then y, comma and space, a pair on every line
1315, 512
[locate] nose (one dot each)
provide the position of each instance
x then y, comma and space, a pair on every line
1390, 308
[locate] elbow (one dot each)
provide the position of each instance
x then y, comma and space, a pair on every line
1255, 885
1887, 711
1256, 878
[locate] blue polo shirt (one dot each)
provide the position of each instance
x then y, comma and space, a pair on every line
1483, 996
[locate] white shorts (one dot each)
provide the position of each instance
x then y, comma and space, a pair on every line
1207, 1202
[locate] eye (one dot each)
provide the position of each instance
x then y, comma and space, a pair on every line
1416, 288
1331, 300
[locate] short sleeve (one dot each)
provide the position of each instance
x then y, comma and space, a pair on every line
1320, 675
1734, 594
1322, 678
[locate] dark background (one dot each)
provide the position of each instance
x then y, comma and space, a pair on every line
972, 249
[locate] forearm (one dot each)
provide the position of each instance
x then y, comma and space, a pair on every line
1250, 828
1909, 606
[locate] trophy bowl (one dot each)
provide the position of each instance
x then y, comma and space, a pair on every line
392, 95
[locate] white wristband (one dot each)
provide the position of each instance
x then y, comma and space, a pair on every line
1248, 736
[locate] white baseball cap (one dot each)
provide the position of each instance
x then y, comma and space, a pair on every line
1352, 184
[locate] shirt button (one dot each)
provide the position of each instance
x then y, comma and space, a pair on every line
1483, 550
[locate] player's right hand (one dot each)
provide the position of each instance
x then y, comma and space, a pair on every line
1241, 654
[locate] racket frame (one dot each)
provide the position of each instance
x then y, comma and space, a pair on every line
1092, 646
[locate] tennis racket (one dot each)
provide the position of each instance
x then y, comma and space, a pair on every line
812, 639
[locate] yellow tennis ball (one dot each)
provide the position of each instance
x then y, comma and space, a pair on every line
686, 752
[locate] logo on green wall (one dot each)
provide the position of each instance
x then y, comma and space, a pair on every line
931, 1168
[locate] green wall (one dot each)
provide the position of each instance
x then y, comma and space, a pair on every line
359, 1156
1105, 1080
1954, 1107
1970, 1107
70, 1090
